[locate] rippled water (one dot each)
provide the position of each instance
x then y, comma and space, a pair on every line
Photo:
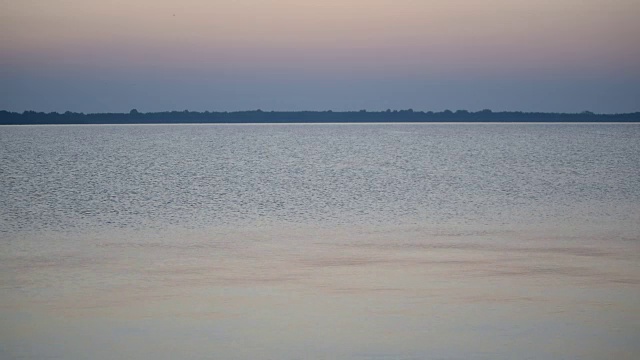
447, 241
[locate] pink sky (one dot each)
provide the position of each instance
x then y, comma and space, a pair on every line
361, 40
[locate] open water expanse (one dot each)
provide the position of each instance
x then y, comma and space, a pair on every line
363, 241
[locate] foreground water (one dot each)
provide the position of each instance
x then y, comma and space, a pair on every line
431, 241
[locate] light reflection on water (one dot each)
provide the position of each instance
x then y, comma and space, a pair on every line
338, 294
542, 265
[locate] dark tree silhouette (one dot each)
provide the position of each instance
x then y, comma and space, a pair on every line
260, 116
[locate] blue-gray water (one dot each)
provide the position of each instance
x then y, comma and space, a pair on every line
367, 241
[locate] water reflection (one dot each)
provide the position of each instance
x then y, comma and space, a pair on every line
343, 294
293, 242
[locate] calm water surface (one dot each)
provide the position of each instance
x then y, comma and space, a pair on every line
367, 241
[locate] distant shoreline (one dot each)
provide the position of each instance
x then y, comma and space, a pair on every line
287, 117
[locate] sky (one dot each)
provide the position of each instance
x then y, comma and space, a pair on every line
226, 55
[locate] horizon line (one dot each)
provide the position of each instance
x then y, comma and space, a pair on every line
134, 111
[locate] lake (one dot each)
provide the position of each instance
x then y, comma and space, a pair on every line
320, 241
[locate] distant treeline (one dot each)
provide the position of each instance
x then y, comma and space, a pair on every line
259, 116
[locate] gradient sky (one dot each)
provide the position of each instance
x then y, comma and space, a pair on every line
114, 55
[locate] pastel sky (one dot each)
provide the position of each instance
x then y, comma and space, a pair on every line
114, 55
